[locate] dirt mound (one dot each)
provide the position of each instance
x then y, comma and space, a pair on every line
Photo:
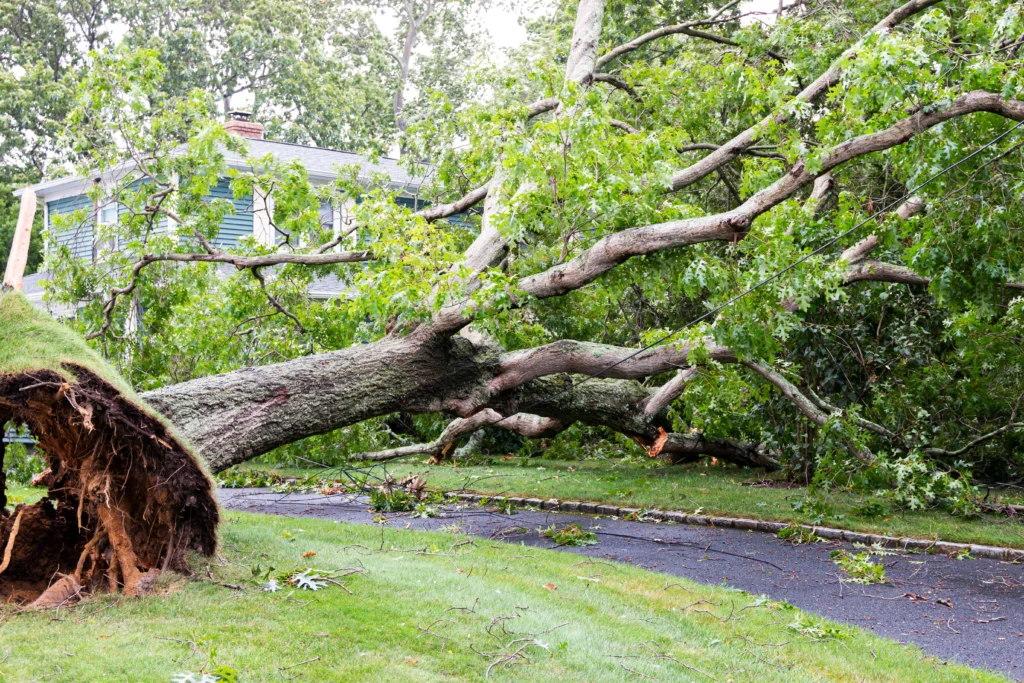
125, 495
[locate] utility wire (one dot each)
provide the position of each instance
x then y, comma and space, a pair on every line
774, 276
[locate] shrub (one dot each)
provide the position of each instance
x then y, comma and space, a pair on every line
917, 484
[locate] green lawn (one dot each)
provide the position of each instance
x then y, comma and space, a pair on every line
718, 491
602, 622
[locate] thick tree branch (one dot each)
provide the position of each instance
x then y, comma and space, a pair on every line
617, 82
462, 205
812, 92
669, 391
614, 249
642, 40
879, 271
543, 106
244, 262
822, 188
803, 404
753, 151
585, 37
587, 358
532, 426
489, 246
618, 405
689, 447
623, 126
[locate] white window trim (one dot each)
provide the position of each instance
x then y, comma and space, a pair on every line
101, 206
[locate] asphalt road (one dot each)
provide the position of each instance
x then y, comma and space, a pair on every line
968, 610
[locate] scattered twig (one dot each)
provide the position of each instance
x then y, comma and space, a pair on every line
444, 640
282, 669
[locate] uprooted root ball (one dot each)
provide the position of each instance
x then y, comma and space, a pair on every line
125, 500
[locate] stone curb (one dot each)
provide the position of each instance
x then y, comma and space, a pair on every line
827, 533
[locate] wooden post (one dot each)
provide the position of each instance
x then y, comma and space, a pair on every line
18, 259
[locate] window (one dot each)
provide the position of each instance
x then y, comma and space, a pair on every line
107, 216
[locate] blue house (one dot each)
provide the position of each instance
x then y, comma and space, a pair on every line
251, 216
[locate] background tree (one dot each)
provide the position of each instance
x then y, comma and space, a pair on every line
42, 50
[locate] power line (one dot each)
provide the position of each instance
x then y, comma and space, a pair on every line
774, 276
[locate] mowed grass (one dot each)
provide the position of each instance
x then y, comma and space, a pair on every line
715, 490
480, 601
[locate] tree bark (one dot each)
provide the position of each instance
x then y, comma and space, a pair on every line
239, 415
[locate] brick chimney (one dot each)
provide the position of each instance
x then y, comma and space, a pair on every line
240, 123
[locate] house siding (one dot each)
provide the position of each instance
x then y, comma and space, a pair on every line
78, 238
232, 227
161, 224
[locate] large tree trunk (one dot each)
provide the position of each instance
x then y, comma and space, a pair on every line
233, 417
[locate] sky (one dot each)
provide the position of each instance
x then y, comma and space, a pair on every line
506, 32
501, 22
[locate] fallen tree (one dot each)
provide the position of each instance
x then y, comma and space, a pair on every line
586, 227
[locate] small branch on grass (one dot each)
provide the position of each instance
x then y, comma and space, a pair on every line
470, 610
194, 645
634, 671
430, 632
282, 669
507, 659
516, 557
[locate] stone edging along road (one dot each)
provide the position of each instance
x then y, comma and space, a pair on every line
828, 533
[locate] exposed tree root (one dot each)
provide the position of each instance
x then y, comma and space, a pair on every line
125, 499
